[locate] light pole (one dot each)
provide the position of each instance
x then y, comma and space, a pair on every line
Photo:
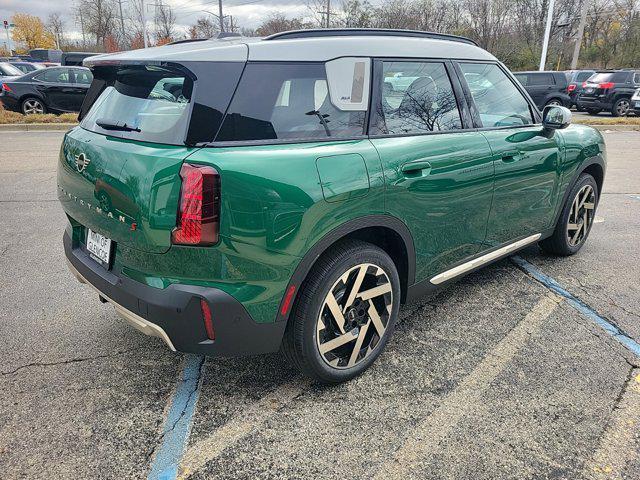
547, 32
144, 24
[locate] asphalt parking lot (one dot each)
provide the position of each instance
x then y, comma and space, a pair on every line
497, 377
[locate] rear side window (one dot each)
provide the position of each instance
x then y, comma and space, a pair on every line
540, 79
498, 102
54, 75
83, 77
416, 97
522, 78
282, 101
145, 103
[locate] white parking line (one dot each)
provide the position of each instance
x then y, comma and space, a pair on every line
203, 451
427, 435
618, 446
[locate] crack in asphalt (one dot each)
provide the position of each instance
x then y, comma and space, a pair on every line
70, 361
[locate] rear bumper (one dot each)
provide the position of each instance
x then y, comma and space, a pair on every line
9, 103
174, 313
594, 103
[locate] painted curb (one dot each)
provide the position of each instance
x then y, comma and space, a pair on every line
35, 127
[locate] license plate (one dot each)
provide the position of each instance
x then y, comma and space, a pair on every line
637, 104
99, 247
589, 90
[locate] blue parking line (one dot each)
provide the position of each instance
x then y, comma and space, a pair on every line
586, 310
177, 426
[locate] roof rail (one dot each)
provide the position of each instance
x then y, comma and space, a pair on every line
347, 32
188, 40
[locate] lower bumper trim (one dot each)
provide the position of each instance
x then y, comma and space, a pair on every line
131, 318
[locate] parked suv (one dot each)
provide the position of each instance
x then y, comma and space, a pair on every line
242, 195
576, 78
546, 88
609, 90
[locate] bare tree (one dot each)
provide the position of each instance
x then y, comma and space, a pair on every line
204, 28
98, 18
55, 24
165, 21
278, 22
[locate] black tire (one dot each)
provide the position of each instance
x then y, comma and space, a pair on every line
302, 340
554, 101
30, 104
559, 243
593, 111
621, 107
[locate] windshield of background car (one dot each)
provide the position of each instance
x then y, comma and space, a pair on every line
153, 101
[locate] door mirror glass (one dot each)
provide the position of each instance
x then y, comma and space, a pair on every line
555, 117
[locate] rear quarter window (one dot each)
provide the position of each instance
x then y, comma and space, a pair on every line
541, 79
286, 101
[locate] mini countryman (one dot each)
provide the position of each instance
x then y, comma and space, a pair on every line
242, 196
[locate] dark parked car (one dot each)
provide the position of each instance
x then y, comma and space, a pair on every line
609, 90
545, 88
8, 70
47, 55
576, 78
56, 89
26, 67
70, 59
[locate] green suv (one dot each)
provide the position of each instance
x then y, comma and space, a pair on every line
241, 196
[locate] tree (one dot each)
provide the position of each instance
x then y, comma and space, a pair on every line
278, 22
356, 14
30, 31
165, 21
99, 18
55, 25
204, 28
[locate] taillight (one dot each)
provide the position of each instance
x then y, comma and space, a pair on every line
571, 87
606, 85
6, 88
584, 84
208, 319
198, 221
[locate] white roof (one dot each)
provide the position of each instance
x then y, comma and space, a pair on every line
240, 49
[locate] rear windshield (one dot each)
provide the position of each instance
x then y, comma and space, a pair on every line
582, 76
615, 77
144, 103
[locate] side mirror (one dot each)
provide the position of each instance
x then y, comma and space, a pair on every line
556, 118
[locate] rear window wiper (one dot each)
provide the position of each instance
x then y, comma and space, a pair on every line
115, 125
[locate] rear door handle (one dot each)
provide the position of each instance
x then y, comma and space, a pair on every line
416, 167
511, 156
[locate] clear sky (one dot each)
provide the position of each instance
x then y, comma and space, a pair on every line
246, 13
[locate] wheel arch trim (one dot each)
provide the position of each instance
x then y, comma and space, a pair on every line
594, 160
339, 232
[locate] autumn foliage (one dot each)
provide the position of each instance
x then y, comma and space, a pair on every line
30, 31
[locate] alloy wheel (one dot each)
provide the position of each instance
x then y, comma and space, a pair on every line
622, 107
581, 215
32, 106
554, 103
354, 316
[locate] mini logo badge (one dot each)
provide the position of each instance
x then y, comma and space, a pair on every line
82, 162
